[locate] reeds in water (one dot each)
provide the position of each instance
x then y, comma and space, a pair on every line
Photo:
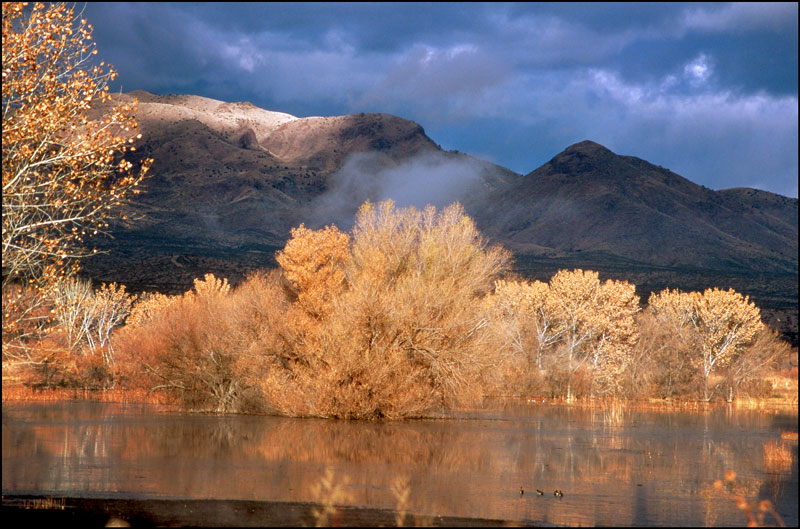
48, 503
777, 456
756, 511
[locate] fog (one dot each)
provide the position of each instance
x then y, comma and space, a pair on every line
438, 179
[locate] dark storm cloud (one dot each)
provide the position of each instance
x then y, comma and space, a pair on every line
709, 90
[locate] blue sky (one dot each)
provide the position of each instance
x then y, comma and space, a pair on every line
708, 90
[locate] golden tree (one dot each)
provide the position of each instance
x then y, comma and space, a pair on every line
403, 330
598, 325
523, 312
64, 172
724, 320
617, 333
574, 295
312, 262
576, 320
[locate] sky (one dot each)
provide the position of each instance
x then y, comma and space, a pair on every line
708, 90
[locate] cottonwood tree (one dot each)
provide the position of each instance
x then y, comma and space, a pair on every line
598, 322
724, 320
89, 316
64, 172
591, 324
525, 314
616, 335
575, 304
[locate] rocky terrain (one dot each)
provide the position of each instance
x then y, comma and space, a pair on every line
229, 180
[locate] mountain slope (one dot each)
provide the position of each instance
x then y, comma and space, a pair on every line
587, 198
229, 180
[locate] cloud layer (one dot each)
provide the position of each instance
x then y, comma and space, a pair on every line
709, 90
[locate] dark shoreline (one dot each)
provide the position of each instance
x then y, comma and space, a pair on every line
35, 511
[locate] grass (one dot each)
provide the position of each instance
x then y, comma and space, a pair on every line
14, 390
19, 392
48, 503
613, 407
778, 456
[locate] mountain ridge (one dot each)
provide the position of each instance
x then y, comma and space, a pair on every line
643, 198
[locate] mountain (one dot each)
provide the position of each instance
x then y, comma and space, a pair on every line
587, 198
229, 180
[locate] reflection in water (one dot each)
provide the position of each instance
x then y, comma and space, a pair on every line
615, 467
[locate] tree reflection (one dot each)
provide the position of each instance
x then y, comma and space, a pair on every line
635, 468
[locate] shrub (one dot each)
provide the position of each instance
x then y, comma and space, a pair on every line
53, 334
407, 313
766, 353
404, 332
188, 347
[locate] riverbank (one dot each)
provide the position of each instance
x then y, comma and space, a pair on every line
784, 398
16, 392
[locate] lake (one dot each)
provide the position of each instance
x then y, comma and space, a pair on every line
614, 467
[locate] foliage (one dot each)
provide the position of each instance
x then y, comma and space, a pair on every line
763, 354
528, 316
572, 324
388, 325
73, 347
26, 321
147, 307
64, 173
408, 313
663, 365
616, 335
88, 317
312, 262
404, 332
187, 345
724, 320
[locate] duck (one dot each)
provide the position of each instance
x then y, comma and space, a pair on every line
557, 493
539, 492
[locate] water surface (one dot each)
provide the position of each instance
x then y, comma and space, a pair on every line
629, 468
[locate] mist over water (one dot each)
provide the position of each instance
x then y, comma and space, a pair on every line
431, 178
